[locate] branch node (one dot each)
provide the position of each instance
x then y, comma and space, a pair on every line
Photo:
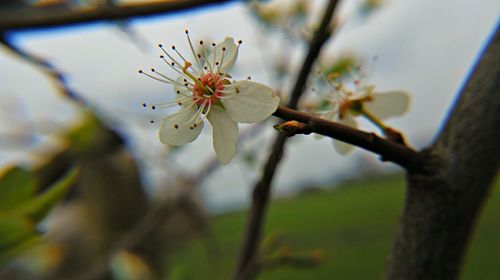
292, 128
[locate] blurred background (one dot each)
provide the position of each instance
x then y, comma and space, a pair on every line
88, 191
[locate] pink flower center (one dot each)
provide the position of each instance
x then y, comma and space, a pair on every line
213, 84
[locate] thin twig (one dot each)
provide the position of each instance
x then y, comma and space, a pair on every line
389, 150
55, 76
260, 196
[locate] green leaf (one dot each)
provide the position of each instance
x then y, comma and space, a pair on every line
37, 208
14, 230
17, 186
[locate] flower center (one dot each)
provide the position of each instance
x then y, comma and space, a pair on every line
209, 89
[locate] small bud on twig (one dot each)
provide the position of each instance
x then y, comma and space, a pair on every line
291, 128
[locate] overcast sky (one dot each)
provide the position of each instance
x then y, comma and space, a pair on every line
425, 47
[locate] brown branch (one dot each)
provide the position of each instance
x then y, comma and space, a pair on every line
262, 188
43, 17
387, 149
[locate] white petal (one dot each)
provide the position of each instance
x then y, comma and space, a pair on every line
342, 147
230, 55
388, 104
225, 134
184, 133
254, 102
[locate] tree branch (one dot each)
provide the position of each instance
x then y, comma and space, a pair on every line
387, 149
43, 17
262, 188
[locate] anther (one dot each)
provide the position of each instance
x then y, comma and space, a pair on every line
223, 49
213, 45
176, 126
191, 127
249, 78
199, 55
152, 69
172, 63
195, 125
162, 56
173, 47
160, 45
186, 31
217, 63
240, 42
153, 107
178, 92
201, 42
186, 84
151, 121
140, 71
144, 105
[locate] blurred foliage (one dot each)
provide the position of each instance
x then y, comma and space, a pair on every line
340, 66
128, 266
369, 6
290, 17
21, 208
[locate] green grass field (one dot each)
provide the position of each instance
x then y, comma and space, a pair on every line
352, 226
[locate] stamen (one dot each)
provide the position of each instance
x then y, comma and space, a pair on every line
215, 53
222, 58
196, 57
169, 81
169, 56
200, 84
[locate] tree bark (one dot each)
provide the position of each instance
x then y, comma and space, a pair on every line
443, 202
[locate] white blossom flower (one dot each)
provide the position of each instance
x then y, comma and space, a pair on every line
205, 90
347, 103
